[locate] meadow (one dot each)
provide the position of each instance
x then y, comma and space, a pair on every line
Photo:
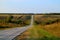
14, 20
45, 27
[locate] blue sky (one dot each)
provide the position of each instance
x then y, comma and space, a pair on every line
29, 6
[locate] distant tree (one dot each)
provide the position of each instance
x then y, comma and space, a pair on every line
10, 18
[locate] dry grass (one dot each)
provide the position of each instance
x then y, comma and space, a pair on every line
5, 24
33, 33
39, 31
51, 28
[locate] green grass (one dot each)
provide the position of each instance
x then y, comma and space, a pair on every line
44, 38
37, 33
43, 32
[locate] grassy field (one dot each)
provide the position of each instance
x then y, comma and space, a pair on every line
39, 33
50, 23
13, 20
46, 27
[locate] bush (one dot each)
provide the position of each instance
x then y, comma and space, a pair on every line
19, 21
47, 22
10, 19
36, 22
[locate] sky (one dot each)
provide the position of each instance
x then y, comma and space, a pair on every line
29, 6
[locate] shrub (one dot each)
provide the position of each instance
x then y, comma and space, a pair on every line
19, 21
36, 22
10, 19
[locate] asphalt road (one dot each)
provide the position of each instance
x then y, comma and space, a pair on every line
9, 34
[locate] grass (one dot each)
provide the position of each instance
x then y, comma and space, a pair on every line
37, 33
5, 20
50, 23
51, 31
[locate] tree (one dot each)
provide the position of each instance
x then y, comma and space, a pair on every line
10, 19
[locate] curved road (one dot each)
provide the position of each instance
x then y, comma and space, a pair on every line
9, 34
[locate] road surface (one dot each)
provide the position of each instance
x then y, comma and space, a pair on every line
9, 34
